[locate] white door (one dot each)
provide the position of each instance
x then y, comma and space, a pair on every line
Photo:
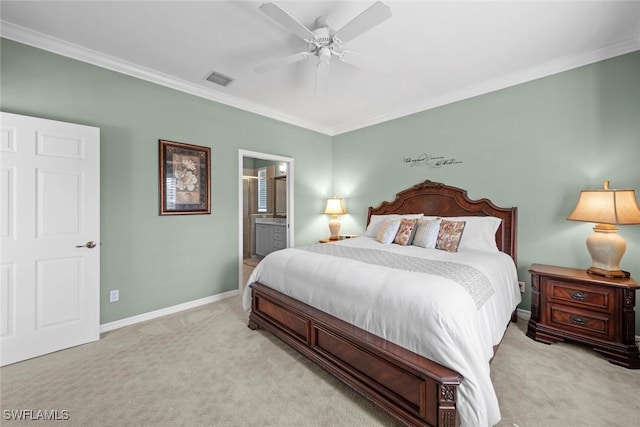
49, 235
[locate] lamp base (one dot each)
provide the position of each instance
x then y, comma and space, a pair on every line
334, 228
610, 274
606, 247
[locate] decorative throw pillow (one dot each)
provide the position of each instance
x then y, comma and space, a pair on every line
449, 235
376, 221
388, 231
404, 236
426, 233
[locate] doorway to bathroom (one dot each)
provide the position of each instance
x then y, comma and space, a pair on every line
265, 206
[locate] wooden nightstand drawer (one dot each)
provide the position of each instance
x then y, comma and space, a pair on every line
590, 297
580, 322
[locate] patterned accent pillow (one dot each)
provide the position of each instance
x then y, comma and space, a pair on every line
426, 233
449, 235
388, 231
407, 228
376, 221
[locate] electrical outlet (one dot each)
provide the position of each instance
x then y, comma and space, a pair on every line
521, 287
114, 295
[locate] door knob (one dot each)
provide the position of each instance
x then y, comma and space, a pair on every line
90, 244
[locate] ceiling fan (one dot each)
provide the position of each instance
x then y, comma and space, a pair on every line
323, 41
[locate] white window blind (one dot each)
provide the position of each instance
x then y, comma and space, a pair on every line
262, 190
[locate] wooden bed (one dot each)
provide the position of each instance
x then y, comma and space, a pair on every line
410, 387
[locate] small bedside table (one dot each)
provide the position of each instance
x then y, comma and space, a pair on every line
570, 304
340, 237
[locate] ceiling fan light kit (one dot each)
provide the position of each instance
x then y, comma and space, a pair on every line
323, 41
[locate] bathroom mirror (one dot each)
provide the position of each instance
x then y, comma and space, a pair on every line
280, 196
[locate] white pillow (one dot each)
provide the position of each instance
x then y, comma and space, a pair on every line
376, 221
426, 233
388, 230
479, 232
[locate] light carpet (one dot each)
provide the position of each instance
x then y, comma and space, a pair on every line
204, 367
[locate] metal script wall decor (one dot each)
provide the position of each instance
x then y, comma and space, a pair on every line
430, 161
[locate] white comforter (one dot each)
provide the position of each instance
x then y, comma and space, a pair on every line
427, 314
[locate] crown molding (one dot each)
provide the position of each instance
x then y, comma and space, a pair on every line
80, 53
70, 50
518, 77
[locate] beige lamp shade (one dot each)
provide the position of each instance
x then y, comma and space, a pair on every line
616, 207
334, 207
608, 208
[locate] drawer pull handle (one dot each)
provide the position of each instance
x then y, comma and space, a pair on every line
577, 320
578, 295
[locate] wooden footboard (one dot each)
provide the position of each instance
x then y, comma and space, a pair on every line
412, 388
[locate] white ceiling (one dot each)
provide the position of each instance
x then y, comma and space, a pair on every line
432, 52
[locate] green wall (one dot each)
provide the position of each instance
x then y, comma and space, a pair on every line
157, 261
534, 146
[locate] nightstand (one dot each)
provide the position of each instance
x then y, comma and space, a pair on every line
340, 237
570, 304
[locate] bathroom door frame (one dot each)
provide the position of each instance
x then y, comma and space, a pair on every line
290, 216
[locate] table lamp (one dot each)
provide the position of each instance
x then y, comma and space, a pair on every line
608, 208
334, 208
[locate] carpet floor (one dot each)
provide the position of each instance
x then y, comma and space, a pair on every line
204, 367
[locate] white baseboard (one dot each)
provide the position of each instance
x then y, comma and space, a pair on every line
523, 314
116, 324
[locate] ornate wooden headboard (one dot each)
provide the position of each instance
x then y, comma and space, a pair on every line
437, 199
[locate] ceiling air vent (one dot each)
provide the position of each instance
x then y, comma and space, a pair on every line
219, 79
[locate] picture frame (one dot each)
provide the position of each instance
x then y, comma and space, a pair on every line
185, 178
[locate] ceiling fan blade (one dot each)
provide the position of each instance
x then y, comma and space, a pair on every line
280, 62
360, 60
374, 15
289, 22
322, 77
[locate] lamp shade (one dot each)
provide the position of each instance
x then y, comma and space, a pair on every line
334, 206
607, 208
617, 207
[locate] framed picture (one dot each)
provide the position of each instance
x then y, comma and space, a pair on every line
184, 179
